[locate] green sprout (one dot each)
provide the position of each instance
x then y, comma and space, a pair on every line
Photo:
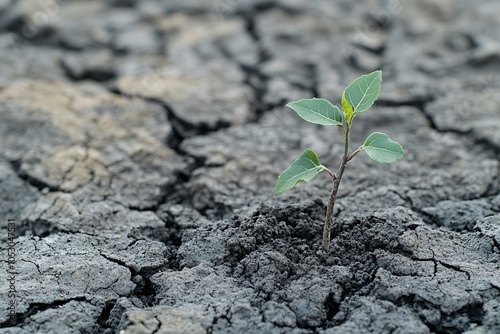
358, 97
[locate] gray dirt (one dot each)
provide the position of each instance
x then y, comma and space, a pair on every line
140, 142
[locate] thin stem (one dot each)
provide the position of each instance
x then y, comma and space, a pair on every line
330, 173
353, 154
343, 130
333, 197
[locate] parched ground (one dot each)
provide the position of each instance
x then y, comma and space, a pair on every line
140, 142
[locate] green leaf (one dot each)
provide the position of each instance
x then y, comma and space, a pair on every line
381, 148
305, 168
347, 108
317, 111
362, 92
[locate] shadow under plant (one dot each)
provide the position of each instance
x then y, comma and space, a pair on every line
139, 157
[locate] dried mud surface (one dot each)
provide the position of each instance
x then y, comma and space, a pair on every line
140, 142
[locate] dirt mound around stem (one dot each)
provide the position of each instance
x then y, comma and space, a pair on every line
265, 273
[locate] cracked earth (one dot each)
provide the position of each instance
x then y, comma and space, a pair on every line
140, 142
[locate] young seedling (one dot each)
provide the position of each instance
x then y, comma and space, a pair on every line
358, 97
